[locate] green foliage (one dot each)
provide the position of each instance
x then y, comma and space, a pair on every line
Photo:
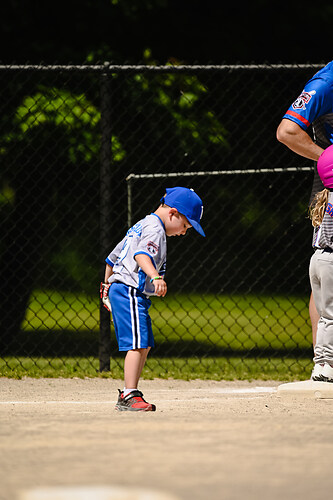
72, 112
182, 96
56, 106
7, 195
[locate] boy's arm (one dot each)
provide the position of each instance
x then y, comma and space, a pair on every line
148, 268
108, 273
112, 258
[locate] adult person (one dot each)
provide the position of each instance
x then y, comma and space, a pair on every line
321, 269
312, 111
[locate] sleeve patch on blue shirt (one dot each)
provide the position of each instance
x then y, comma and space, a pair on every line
303, 99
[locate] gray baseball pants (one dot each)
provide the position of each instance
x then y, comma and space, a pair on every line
321, 278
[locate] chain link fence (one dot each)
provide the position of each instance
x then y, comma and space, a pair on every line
85, 150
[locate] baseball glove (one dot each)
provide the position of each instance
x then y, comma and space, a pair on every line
104, 294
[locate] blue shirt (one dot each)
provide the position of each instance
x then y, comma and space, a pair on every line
314, 106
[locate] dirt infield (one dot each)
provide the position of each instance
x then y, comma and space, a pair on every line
207, 439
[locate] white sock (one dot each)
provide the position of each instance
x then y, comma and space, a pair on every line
127, 391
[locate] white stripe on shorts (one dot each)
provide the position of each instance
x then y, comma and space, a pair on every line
138, 335
135, 322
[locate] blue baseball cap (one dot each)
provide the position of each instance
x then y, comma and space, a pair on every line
188, 203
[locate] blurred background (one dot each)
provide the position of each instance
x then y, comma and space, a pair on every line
97, 98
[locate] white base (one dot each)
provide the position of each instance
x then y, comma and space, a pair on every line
93, 493
307, 388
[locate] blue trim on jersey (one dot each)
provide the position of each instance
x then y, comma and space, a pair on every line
108, 261
159, 218
141, 252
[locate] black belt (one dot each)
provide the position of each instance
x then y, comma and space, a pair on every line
326, 249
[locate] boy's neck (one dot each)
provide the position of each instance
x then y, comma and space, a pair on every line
161, 212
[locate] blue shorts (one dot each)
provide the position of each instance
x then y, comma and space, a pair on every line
131, 319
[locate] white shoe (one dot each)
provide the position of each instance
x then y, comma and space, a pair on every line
327, 373
317, 371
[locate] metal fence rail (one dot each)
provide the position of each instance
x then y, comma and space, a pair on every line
76, 140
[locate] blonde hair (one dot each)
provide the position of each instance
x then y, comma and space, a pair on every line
318, 207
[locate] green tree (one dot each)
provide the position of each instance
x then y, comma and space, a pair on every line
50, 157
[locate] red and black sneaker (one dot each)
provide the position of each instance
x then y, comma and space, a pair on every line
133, 402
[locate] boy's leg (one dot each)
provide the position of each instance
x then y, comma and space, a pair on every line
131, 399
134, 363
133, 330
143, 360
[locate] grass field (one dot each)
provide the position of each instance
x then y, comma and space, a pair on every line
197, 336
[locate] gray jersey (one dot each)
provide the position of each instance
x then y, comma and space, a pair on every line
323, 235
146, 237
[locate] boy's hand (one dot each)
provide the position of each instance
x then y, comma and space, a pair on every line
104, 294
160, 287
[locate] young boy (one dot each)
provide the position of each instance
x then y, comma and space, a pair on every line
134, 271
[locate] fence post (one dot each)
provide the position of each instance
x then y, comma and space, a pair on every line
105, 213
129, 200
